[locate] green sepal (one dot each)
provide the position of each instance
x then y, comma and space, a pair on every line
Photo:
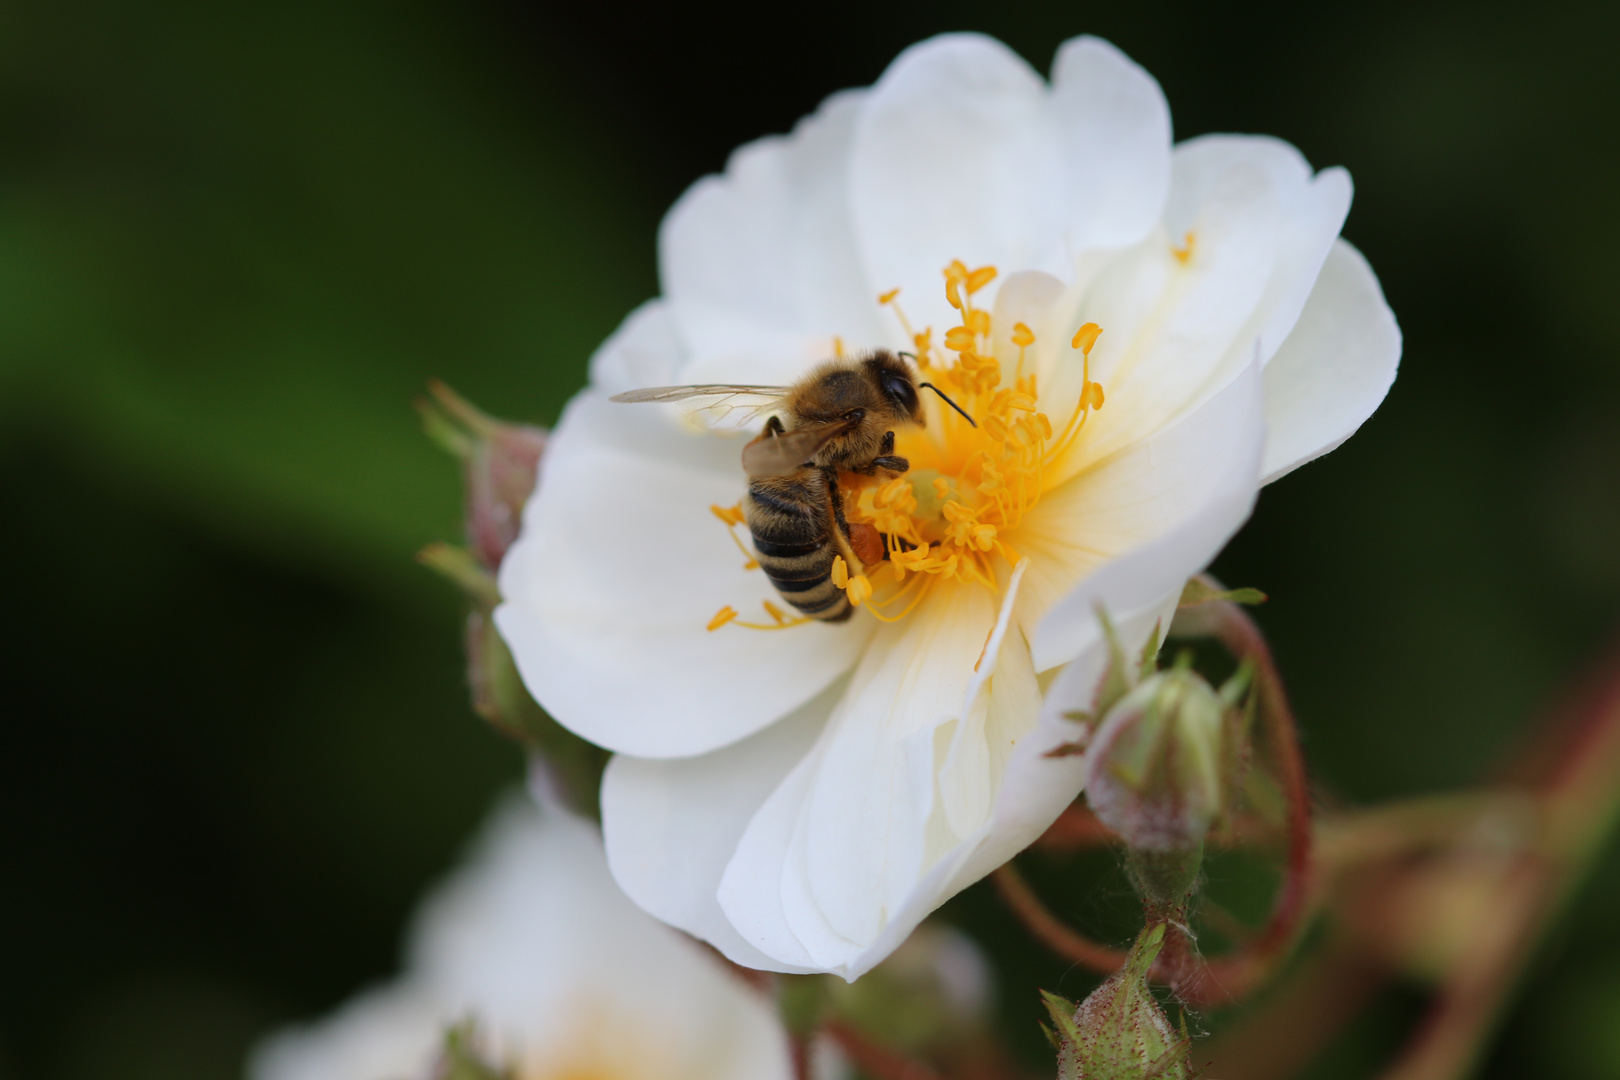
459, 1058
1198, 590
462, 568
1116, 681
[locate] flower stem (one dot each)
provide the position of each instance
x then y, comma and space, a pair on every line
1231, 977
1052, 931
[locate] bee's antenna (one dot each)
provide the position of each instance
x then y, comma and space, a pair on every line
948, 401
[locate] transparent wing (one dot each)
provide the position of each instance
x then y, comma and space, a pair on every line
734, 404
778, 455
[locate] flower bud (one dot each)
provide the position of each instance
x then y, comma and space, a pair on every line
1119, 1032
1153, 768
500, 463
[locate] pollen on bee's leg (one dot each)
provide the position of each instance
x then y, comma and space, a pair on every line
867, 543
721, 617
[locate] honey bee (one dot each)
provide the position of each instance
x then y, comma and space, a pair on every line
841, 417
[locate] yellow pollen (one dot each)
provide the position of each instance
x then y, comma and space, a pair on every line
721, 617
1022, 335
884, 298
840, 572
1086, 337
1184, 253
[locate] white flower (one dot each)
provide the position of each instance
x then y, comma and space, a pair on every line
563, 975
803, 797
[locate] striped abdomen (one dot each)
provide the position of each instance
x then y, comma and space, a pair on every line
792, 523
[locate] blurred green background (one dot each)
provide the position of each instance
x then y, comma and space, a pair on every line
235, 241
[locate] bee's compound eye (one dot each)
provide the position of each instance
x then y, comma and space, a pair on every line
901, 392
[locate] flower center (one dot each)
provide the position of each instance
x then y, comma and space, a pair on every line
950, 516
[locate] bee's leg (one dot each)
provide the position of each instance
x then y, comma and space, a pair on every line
836, 500
773, 427
887, 459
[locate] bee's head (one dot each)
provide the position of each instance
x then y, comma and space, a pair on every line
898, 386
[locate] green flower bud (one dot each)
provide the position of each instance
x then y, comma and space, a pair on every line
1153, 770
1119, 1032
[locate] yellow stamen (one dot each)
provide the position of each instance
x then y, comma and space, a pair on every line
731, 515
1086, 337
884, 298
978, 320
979, 278
1022, 335
840, 572
1184, 253
721, 617
960, 339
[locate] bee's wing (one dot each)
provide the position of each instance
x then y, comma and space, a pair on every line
735, 403
778, 455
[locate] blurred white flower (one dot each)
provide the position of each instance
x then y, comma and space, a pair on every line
803, 797
563, 977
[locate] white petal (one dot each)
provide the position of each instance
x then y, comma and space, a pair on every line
954, 157
844, 838
671, 826
760, 265
619, 568
1173, 331
1334, 369
534, 941
1115, 129
1312, 211
998, 704
643, 351
1160, 513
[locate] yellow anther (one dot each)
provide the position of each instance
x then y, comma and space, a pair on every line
775, 612
840, 572
888, 296
979, 278
960, 339
1046, 425
994, 426
951, 293
721, 617
1021, 403
942, 486
924, 342
1092, 396
1185, 253
977, 320
984, 537
1086, 337
731, 515
892, 490
957, 270
1022, 335
859, 591
838, 347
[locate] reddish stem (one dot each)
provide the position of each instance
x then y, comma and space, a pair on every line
1198, 982
1230, 977
876, 1061
1052, 931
